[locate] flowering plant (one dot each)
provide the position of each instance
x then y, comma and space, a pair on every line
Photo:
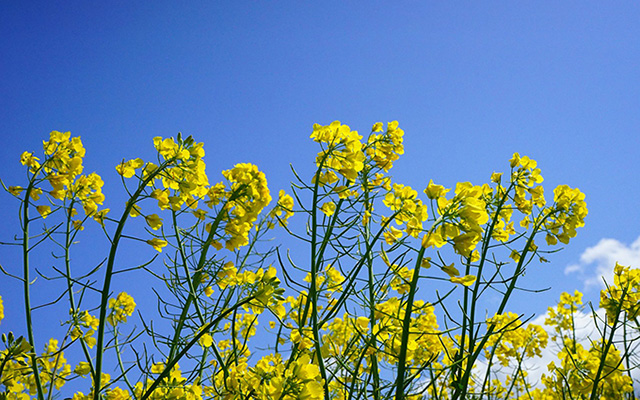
389, 302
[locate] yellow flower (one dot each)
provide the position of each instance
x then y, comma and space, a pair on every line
89, 339
101, 215
118, 394
157, 244
83, 368
392, 235
363, 323
157, 368
44, 210
450, 270
128, 169
154, 221
15, 190
135, 211
434, 191
208, 291
515, 160
35, 193
312, 390
466, 280
29, 160
205, 340
377, 127
328, 208
433, 239
121, 307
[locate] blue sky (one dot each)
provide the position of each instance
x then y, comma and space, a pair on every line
470, 83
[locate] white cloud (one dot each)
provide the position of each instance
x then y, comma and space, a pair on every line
597, 262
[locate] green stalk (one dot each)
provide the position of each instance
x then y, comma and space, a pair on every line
373, 360
26, 284
109, 273
470, 317
190, 298
402, 357
312, 299
607, 345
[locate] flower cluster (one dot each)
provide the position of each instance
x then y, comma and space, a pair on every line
343, 153
182, 173
247, 195
571, 210
271, 378
121, 308
18, 378
408, 209
623, 295
86, 321
512, 341
283, 209
62, 168
561, 316
577, 371
525, 175
387, 147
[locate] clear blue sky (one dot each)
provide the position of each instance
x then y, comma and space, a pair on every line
470, 83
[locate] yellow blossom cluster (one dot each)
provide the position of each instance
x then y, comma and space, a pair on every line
343, 153
571, 212
408, 209
121, 308
385, 148
283, 209
85, 320
271, 378
246, 197
562, 315
512, 341
575, 376
62, 168
462, 216
328, 281
623, 295
18, 378
182, 173
525, 175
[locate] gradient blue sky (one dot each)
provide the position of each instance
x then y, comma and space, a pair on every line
470, 83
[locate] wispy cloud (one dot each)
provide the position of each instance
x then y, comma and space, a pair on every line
597, 262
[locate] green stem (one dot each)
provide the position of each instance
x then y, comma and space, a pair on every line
470, 316
406, 325
373, 359
109, 273
27, 284
607, 345
197, 275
